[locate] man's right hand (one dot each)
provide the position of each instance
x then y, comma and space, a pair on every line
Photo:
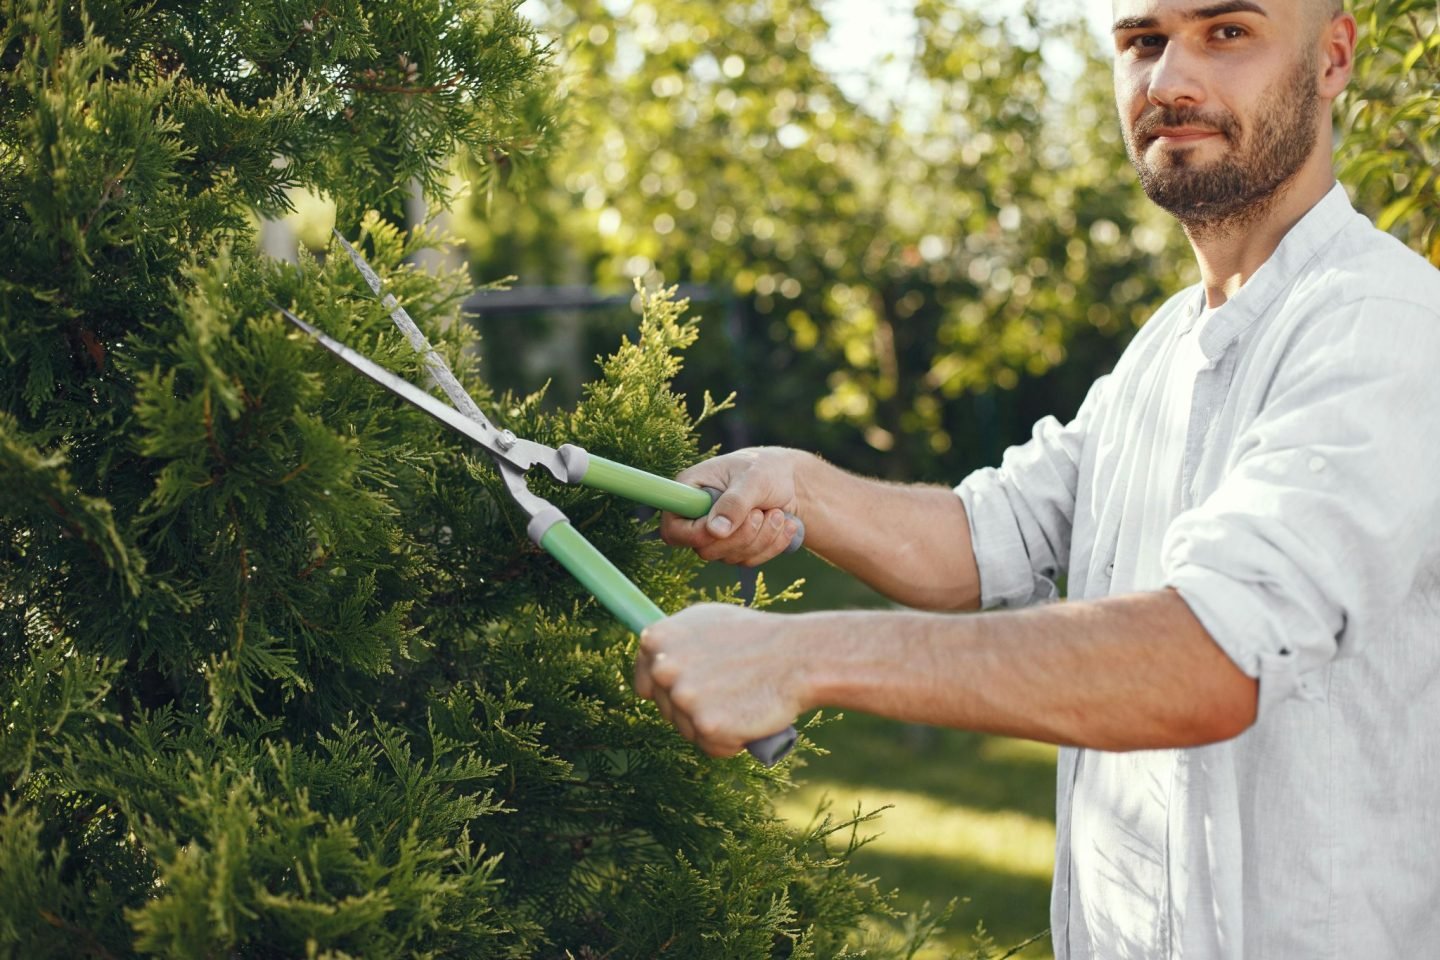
748, 524
909, 542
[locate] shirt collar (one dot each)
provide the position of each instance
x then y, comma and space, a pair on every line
1296, 251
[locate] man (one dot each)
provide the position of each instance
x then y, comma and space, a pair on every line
1246, 677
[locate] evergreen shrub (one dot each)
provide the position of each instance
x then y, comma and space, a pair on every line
280, 673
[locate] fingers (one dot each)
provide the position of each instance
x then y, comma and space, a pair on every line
774, 539
747, 523
760, 536
653, 679
679, 692
739, 544
764, 536
666, 703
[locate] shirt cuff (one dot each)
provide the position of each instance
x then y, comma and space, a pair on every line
1262, 638
1006, 577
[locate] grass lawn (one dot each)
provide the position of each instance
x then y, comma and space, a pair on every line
972, 818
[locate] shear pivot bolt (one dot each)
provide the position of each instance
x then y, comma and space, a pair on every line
506, 440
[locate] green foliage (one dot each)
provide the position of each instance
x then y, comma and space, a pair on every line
1391, 128
280, 674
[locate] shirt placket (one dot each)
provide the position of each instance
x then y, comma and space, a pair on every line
1207, 398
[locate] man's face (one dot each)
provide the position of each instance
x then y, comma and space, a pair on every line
1218, 99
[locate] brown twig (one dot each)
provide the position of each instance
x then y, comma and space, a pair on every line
113, 189
313, 565
91, 945
295, 473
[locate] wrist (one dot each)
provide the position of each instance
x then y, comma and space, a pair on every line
806, 677
821, 673
804, 468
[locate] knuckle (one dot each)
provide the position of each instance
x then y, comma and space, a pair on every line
664, 670
684, 696
745, 544
707, 725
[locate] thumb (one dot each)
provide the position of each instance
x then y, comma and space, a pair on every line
729, 511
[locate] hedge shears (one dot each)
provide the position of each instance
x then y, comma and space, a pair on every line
514, 456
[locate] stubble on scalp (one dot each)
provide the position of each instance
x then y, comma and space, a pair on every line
1228, 195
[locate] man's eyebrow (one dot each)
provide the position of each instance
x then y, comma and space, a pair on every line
1199, 13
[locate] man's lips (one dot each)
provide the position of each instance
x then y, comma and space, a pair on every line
1182, 135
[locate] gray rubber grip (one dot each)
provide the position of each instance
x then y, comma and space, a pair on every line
796, 542
772, 749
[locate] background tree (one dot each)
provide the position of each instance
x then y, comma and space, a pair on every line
904, 263
1390, 120
280, 675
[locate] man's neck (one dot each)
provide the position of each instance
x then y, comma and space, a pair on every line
1230, 254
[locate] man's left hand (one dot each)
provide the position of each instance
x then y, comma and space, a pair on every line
724, 675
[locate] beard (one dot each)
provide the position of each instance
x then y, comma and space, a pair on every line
1240, 186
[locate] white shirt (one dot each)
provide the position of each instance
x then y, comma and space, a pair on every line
1288, 486
1153, 468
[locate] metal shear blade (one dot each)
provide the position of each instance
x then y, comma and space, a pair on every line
505, 447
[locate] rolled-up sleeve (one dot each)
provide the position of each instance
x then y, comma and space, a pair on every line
1315, 534
1021, 513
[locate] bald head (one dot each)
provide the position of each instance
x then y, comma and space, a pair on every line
1318, 16
1325, 10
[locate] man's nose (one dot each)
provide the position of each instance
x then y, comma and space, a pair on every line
1176, 78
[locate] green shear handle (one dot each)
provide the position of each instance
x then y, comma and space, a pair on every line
649, 489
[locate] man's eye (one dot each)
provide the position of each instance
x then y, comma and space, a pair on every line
1146, 43
1228, 32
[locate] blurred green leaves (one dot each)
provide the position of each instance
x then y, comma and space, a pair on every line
1390, 120
895, 255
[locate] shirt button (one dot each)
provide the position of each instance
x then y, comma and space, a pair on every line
1110, 569
1317, 464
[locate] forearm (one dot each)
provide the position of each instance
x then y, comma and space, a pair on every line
909, 542
1122, 673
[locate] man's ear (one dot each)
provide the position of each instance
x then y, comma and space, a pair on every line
1337, 54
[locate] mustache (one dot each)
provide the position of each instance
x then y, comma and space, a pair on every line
1165, 117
